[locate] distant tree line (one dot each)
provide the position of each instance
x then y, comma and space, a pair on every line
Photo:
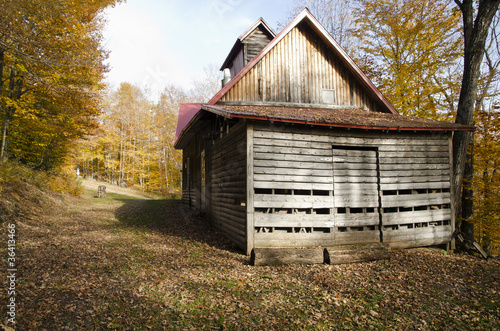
133, 145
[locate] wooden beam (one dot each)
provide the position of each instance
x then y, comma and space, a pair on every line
280, 256
356, 253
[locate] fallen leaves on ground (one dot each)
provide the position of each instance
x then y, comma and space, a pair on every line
122, 263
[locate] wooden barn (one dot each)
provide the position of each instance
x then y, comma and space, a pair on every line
299, 150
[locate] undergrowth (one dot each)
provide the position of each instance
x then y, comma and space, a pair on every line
16, 174
24, 191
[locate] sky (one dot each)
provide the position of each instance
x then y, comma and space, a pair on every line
154, 43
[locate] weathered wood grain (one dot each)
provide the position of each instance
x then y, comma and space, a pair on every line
280, 256
356, 253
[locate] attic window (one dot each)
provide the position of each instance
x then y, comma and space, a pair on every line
328, 96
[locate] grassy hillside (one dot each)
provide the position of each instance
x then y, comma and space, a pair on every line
26, 193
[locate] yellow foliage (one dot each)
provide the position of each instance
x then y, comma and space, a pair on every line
51, 61
487, 178
416, 47
134, 144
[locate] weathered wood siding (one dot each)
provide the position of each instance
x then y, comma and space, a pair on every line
228, 204
255, 42
326, 187
301, 69
190, 195
196, 168
250, 47
238, 63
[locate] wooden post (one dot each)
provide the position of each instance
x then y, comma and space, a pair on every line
452, 245
101, 191
250, 190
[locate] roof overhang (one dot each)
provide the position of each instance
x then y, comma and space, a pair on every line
319, 117
335, 118
188, 114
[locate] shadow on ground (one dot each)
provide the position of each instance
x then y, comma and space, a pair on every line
170, 217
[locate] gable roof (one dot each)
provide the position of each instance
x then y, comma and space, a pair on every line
306, 16
259, 23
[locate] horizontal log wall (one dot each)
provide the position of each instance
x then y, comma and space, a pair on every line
372, 186
301, 69
229, 184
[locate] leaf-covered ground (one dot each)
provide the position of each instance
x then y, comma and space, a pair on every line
130, 264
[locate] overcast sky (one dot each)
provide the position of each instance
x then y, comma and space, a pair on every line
159, 42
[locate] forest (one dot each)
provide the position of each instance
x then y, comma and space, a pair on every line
58, 115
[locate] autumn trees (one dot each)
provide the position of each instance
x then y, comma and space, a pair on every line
134, 144
416, 47
51, 65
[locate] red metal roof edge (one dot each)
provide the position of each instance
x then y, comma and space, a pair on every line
243, 36
232, 114
187, 114
321, 30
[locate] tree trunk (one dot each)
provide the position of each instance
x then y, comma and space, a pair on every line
8, 113
475, 34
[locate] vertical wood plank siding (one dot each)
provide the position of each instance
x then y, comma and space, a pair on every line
229, 184
371, 186
297, 70
190, 195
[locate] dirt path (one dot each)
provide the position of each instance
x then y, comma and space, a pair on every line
135, 264
110, 188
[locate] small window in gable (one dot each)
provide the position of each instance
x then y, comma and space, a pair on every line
328, 96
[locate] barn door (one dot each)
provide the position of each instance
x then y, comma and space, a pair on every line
356, 195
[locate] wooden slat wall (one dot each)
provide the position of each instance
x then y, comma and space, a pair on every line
297, 70
298, 201
250, 47
356, 188
191, 156
229, 184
